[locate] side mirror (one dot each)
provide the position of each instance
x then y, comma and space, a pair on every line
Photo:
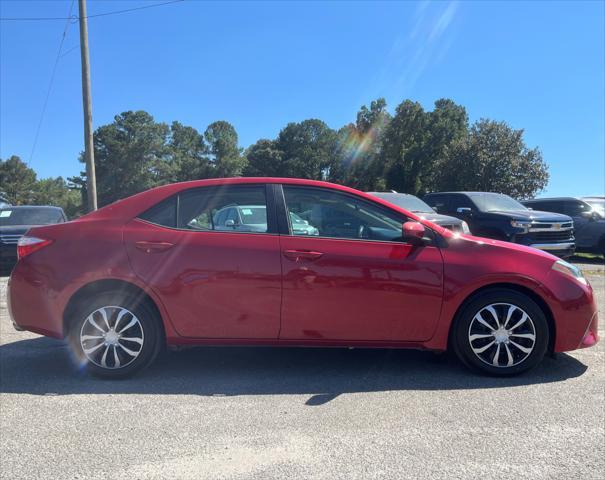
413, 233
230, 223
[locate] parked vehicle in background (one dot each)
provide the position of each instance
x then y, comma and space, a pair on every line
15, 222
598, 203
413, 204
4, 202
589, 223
250, 218
498, 216
122, 282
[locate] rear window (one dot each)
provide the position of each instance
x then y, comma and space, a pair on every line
241, 208
30, 216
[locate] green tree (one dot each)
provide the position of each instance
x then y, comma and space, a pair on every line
186, 157
264, 158
56, 192
129, 156
309, 150
226, 155
494, 158
17, 181
360, 144
403, 144
447, 125
416, 141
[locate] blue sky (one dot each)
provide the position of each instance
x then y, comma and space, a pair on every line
539, 66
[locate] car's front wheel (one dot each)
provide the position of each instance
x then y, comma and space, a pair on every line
115, 335
501, 332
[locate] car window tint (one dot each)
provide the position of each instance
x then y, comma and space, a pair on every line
575, 209
223, 209
462, 201
555, 207
438, 202
164, 213
327, 213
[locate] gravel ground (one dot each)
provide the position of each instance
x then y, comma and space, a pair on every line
299, 413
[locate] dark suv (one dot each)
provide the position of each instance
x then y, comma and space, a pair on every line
589, 224
15, 222
498, 216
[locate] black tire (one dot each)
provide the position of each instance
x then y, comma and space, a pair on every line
149, 329
502, 298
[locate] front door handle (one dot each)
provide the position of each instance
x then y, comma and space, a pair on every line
153, 247
302, 254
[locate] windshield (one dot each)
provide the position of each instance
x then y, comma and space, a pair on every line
409, 202
492, 202
598, 204
29, 216
253, 215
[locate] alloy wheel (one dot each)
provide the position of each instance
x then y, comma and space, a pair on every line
502, 335
112, 337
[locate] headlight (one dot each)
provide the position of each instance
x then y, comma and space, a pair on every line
524, 225
569, 269
465, 229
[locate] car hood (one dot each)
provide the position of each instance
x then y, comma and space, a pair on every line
533, 215
15, 229
439, 219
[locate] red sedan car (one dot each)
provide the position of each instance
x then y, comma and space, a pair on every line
269, 261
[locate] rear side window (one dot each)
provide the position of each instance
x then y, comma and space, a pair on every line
164, 213
238, 208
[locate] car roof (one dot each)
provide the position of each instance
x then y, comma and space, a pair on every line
27, 207
132, 206
392, 193
549, 199
466, 193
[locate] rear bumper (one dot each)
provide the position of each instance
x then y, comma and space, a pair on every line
31, 305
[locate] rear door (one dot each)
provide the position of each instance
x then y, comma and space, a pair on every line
353, 278
214, 283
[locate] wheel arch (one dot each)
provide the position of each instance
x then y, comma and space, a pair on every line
515, 287
104, 286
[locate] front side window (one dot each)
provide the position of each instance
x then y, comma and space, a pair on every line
325, 213
236, 208
575, 209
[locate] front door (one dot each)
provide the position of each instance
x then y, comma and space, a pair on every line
212, 256
349, 275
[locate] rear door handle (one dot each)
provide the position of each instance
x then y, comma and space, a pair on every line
302, 254
153, 247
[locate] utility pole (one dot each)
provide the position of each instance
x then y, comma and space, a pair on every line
89, 152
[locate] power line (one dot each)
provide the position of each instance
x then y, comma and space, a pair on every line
52, 80
116, 12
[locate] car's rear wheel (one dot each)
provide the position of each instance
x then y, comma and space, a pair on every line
501, 332
115, 335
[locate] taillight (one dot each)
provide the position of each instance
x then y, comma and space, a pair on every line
28, 245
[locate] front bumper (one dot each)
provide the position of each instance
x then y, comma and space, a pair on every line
566, 249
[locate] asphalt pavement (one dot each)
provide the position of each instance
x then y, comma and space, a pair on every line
268, 413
